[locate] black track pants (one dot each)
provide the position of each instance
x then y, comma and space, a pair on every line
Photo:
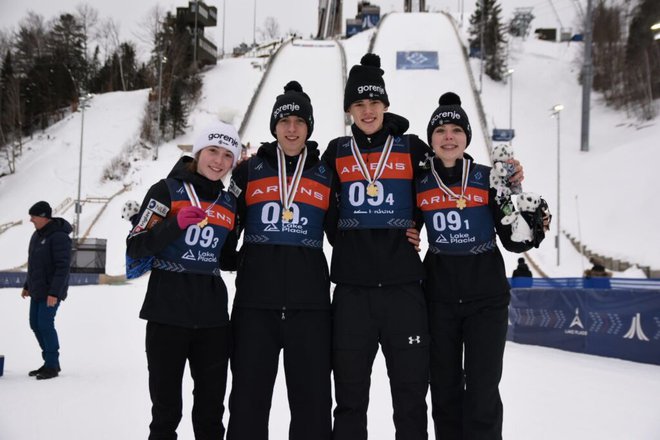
305, 338
395, 317
467, 347
207, 351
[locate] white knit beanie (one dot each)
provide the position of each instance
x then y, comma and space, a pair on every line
219, 134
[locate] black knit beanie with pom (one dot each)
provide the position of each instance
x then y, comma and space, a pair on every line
293, 102
365, 81
449, 111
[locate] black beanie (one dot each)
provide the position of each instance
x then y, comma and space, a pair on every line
41, 209
293, 102
449, 112
365, 81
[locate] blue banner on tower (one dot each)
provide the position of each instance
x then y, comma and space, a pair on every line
615, 323
420, 59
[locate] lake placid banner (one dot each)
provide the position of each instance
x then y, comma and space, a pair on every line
615, 323
417, 60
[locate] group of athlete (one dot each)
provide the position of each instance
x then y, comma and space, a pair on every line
442, 321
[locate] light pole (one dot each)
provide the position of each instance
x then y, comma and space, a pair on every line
80, 155
254, 25
81, 102
161, 60
195, 35
587, 78
482, 27
224, 14
555, 112
509, 73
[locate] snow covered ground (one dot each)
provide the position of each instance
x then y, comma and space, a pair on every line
548, 394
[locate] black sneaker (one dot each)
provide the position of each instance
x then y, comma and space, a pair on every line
48, 373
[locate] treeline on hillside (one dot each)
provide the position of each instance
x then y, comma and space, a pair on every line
626, 58
49, 67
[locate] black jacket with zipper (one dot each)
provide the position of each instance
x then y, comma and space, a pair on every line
378, 257
464, 278
188, 300
49, 258
282, 277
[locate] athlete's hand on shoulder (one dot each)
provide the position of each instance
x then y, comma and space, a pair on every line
519, 174
413, 238
190, 215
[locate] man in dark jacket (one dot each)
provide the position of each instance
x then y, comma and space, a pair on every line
47, 281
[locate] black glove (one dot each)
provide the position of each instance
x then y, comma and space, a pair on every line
535, 221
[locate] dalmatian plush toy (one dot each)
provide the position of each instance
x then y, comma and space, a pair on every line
500, 185
521, 229
129, 210
500, 154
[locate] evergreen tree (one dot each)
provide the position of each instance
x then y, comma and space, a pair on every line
486, 20
66, 44
30, 42
10, 108
642, 75
178, 111
608, 52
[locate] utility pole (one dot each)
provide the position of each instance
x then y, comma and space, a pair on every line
224, 14
587, 78
481, 45
195, 35
254, 25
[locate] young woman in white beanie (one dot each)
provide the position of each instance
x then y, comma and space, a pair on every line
185, 223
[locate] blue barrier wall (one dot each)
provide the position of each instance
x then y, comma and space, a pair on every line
607, 322
17, 279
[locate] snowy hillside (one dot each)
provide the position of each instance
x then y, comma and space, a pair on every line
548, 394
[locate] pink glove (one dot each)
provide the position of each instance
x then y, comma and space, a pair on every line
190, 215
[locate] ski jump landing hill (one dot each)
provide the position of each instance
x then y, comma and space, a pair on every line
414, 90
316, 65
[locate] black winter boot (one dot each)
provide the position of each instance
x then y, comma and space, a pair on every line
37, 371
48, 373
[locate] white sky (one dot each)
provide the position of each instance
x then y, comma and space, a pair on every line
292, 15
547, 394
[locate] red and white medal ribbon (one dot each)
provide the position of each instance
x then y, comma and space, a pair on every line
460, 199
372, 189
194, 200
288, 191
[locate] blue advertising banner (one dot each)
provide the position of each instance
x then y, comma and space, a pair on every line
607, 322
352, 29
421, 59
17, 279
370, 20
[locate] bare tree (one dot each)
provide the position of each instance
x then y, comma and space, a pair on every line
108, 34
270, 30
150, 26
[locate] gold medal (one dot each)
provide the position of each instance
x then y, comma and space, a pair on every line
461, 203
203, 222
372, 190
287, 215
